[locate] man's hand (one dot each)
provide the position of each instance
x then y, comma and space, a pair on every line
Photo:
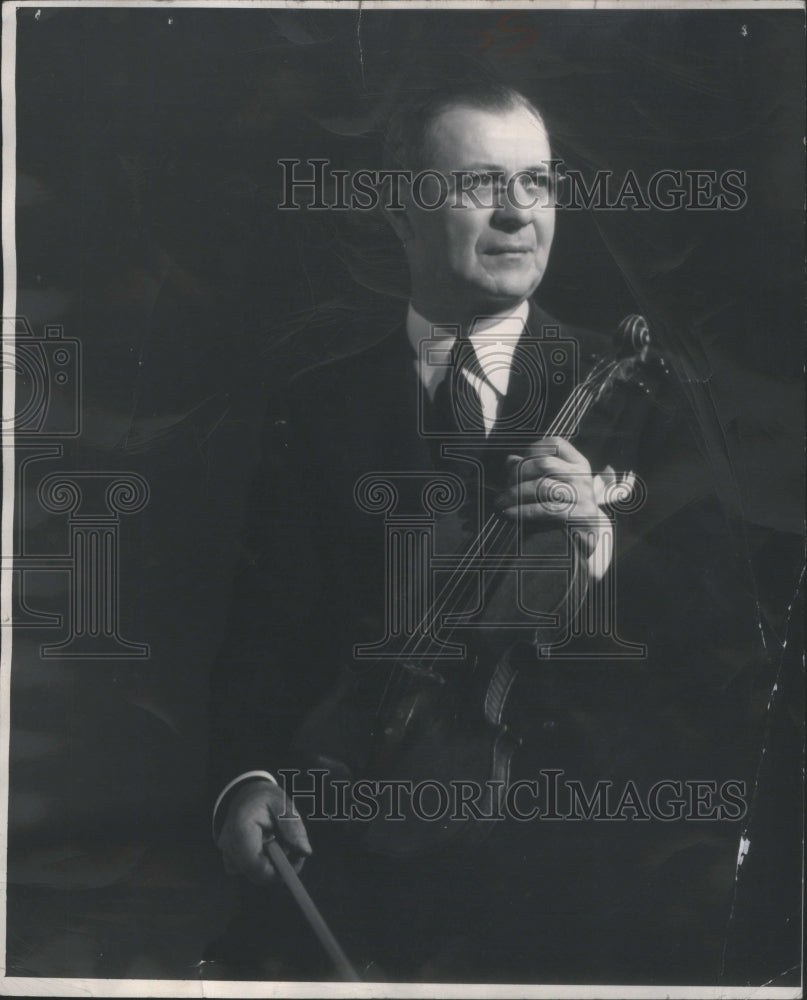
258, 810
553, 480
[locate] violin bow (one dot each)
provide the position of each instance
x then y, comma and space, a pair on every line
308, 908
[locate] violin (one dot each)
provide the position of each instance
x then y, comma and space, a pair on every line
432, 721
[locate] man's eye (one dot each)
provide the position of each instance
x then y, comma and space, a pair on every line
537, 179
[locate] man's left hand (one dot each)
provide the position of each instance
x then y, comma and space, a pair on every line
553, 481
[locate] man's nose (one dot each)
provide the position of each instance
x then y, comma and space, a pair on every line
516, 208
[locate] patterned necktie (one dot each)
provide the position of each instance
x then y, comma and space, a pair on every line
457, 407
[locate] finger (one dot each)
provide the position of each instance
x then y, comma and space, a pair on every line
291, 832
535, 468
512, 464
261, 871
619, 492
546, 512
245, 856
559, 495
565, 450
295, 859
541, 447
258, 870
533, 512
550, 498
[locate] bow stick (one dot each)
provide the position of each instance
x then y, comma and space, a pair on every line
308, 908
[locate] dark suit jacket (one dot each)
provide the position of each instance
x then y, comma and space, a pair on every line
313, 585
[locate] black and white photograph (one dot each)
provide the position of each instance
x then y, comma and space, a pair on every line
403, 499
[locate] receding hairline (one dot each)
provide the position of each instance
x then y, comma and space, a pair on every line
415, 147
516, 104
511, 101
428, 134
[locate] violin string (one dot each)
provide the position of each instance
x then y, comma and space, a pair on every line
494, 529
489, 530
567, 417
466, 584
564, 422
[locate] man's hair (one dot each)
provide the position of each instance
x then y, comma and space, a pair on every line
407, 132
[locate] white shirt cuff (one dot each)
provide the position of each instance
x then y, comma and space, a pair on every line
600, 558
237, 781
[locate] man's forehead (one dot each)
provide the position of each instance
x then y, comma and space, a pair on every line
463, 136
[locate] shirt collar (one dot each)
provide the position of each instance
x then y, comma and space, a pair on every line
494, 339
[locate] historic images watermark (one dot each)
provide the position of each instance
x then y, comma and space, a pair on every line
427, 588
47, 374
315, 185
550, 796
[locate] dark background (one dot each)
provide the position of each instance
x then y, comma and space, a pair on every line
147, 225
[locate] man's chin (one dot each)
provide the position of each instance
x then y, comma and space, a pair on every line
504, 299
510, 288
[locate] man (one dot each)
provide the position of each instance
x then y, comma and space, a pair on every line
315, 589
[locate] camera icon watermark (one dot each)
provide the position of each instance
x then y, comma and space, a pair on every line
541, 371
47, 373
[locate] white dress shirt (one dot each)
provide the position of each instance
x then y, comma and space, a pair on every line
494, 341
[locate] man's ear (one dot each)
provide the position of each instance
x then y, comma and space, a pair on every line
398, 218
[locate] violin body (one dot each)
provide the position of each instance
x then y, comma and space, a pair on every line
443, 723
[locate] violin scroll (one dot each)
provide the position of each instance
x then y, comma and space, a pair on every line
631, 350
633, 337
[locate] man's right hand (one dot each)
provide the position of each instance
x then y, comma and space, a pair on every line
258, 810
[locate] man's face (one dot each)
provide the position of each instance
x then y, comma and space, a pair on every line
482, 259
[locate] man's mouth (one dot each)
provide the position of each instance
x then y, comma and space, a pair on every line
506, 251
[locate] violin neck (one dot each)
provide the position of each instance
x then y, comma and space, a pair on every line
580, 400
497, 536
